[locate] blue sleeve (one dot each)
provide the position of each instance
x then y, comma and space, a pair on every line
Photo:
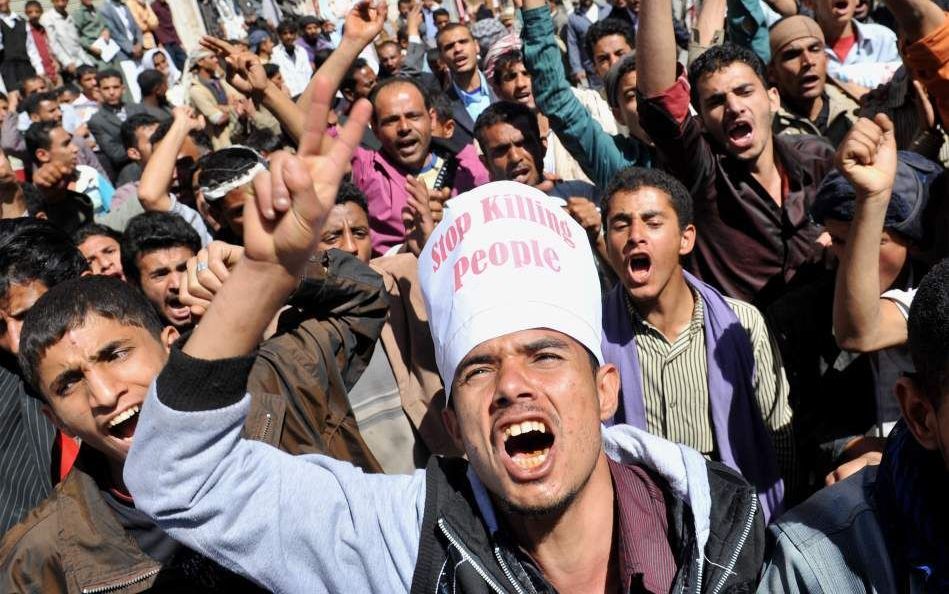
746, 25
574, 56
106, 191
595, 150
290, 523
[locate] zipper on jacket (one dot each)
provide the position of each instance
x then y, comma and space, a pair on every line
741, 543
507, 572
266, 430
468, 557
120, 585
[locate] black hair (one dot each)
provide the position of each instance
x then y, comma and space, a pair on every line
928, 330
719, 57
349, 79
432, 56
518, 115
32, 103
37, 137
349, 192
271, 70
109, 73
36, 250
319, 57
35, 201
69, 304
264, 140
152, 231
30, 3
503, 62
442, 105
149, 80
199, 137
224, 165
605, 28
86, 69
440, 12
286, 25
94, 230
448, 29
634, 178
28, 79
132, 125
3, 96
397, 80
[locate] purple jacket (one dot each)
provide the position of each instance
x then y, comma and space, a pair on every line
383, 183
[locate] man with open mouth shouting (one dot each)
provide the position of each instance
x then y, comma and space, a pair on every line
509, 283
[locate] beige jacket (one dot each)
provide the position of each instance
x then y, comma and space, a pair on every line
146, 19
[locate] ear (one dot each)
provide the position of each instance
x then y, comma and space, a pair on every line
919, 413
449, 128
42, 155
133, 154
348, 95
607, 388
34, 117
687, 241
450, 419
432, 117
774, 98
169, 335
56, 421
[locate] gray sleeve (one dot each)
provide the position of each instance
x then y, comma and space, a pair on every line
119, 218
786, 570
194, 219
291, 523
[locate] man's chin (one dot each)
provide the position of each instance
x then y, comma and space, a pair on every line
541, 505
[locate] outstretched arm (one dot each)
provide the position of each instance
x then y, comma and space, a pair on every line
241, 503
655, 39
863, 321
158, 172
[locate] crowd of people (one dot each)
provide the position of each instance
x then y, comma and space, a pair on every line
601, 296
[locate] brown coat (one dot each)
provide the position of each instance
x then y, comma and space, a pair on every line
407, 340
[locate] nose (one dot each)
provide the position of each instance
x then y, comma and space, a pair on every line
104, 390
637, 233
402, 126
347, 242
513, 384
174, 282
732, 104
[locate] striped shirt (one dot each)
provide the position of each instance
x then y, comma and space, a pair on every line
675, 382
26, 442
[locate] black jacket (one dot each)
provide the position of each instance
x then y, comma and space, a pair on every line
456, 553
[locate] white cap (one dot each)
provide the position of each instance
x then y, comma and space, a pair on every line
506, 257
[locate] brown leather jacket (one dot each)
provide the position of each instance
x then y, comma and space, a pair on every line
73, 543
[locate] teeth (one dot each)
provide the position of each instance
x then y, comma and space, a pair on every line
531, 460
524, 427
128, 414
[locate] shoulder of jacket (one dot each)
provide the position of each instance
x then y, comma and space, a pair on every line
36, 537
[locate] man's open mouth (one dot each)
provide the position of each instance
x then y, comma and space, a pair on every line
841, 7
809, 80
639, 266
176, 309
740, 134
528, 443
122, 426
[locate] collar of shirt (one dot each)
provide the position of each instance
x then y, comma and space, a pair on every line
696, 324
478, 95
10, 18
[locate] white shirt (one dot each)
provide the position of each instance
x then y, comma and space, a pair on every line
296, 69
10, 19
872, 60
64, 39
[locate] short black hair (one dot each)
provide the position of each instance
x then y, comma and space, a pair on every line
264, 140
30, 3
86, 69
504, 62
507, 112
440, 12
928, 330
605, 28
95, 230
271, 70
286, 25
132, 125
319, 57
35, 201
67, 306
349, 192
719, 57
349, 79
442, 105
634, 178
28, 79
32, 103
448, 29
152, 231
37, 137
199, 137
398, 80
149, 80
36, 250
109, 73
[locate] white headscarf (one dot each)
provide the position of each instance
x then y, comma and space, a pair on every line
148, 62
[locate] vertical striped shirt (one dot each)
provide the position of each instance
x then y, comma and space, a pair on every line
675, 382
26, 442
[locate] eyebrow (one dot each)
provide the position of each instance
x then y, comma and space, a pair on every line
104, 351
529, 349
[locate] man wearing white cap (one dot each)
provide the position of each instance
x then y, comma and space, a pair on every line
511, 289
